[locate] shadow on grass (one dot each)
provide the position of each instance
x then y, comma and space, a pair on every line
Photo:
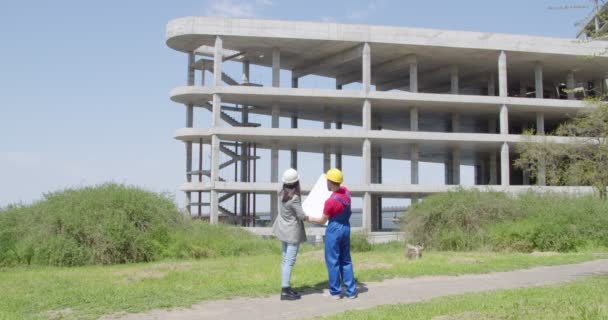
318, 288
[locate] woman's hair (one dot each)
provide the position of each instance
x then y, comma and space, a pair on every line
289, 190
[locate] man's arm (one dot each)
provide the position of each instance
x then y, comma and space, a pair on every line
322, 220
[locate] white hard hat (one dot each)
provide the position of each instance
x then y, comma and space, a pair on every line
290, 176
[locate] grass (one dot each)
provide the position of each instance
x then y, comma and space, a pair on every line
90, 291
584, 299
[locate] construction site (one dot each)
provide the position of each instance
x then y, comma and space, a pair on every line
404, 112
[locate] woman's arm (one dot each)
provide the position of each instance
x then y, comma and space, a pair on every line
297, 207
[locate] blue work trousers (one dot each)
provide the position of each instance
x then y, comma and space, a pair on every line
337, 259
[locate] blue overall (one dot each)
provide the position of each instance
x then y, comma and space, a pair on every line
337, 252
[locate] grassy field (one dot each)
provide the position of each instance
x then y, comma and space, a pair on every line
90, 291
584, 299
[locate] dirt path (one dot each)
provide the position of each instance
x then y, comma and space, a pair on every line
373, 294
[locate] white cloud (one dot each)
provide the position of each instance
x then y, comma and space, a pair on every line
236, 8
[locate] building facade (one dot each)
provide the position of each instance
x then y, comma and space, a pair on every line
414, 95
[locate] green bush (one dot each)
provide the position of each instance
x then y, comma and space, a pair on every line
111, 224
471, 220
359, 242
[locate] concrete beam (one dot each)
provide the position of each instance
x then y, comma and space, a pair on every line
378, 69
311, 67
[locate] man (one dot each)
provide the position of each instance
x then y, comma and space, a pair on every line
337, 237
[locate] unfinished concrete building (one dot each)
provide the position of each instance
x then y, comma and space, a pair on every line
441, 97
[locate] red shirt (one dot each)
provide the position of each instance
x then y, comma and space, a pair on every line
332, 206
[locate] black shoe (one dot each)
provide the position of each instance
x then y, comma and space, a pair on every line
294, 292
288, 294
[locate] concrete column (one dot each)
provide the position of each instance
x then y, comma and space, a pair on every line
448, 174
274, 152
492, 125
540, 123
454, 80
526, 178
493, 168
215, 170
218, 58
455, 122
538, 80
366, 214
504, 165
244, 146
492, 84
367, 68
541, 178
367, 115
189, 123
246, 64
540, 130
502, 74
523, 88
570, 85
338, 163
414, 148
326, 154
456, 165
504, 120
413, 119
367, 180
294, 152
367, 162
276, 67
191, 68
413, 63
216, 111
294, 125
414, 159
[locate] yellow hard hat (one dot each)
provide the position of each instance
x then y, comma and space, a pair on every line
334, 175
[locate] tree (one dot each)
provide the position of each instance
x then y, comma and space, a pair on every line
579, 158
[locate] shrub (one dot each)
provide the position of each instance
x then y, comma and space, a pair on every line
111, 224
468, 220
359, 242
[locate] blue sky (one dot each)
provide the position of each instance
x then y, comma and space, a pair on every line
84, 85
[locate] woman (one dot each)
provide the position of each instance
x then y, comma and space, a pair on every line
289, 228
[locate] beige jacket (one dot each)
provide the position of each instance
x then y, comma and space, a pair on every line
288, 225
